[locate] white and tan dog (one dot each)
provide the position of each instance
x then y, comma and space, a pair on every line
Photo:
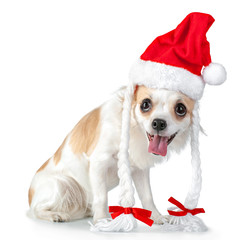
74, 183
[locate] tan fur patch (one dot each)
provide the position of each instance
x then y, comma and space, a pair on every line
31, 194
141, 93
43, 166
57, 155
84, 136
188, 102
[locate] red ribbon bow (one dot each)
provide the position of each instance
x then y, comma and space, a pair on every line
184, 211
142, 215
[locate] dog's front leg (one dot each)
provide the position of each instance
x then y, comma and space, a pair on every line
141, 180
98, 171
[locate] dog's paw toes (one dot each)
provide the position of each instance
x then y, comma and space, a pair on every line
101, 217
59, 217
161, 219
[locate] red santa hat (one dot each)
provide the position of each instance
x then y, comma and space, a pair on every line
180, 61
175, 60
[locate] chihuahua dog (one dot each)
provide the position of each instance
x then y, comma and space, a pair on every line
75, 181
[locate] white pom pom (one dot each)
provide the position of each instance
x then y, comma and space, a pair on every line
214, 74
122, 223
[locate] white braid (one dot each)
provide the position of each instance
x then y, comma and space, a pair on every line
124, 222
192, 198
126, 198
190, 223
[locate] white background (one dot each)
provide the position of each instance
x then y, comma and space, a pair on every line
60, 59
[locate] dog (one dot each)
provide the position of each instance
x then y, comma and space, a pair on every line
75, 181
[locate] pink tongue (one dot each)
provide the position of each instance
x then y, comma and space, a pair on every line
158, 145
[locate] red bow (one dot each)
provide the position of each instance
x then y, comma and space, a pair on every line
140, 214
185, 210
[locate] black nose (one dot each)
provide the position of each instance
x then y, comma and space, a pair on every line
159, 124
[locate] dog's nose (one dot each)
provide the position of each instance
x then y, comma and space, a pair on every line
159, 124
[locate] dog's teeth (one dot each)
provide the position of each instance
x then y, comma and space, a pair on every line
150, 137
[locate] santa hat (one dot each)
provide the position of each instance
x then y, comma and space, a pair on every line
180, 61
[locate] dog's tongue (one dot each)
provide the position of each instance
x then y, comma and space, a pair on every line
158, 145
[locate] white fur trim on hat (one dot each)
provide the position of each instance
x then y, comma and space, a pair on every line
159, 75
214, 74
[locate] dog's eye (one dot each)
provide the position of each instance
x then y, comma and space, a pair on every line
180, 110
146, 105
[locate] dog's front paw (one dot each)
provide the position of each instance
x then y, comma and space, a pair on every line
97, 217
160, 219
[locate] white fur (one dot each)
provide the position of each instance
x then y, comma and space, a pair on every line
78, 185
159, 75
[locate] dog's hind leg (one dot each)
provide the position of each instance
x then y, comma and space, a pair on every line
58, 198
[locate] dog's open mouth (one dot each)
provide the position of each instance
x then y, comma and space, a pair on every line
158, 144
